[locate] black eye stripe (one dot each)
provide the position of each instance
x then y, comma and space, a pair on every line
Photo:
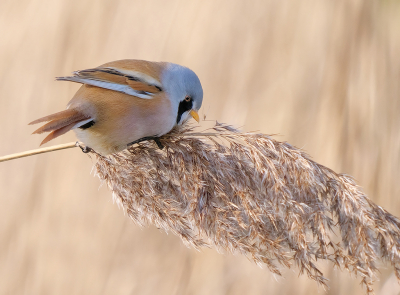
184, 106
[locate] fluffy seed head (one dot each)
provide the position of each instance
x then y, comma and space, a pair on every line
251, 194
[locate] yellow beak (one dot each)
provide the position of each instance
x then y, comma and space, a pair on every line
195, 115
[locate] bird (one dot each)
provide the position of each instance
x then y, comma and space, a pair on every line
124, 102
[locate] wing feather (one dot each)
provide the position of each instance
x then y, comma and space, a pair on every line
111, 78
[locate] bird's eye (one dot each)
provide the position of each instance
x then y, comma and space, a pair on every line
188, 98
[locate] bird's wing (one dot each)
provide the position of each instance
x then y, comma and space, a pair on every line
117, 80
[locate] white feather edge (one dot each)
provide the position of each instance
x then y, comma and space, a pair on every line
146, 78
108, 85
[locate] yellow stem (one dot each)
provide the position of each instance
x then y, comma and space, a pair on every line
38, 151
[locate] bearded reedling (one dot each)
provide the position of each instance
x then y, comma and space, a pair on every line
125, 102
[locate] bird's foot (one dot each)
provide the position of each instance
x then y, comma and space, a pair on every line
156, 140
85, 149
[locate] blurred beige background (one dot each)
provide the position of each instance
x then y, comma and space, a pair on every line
324, 75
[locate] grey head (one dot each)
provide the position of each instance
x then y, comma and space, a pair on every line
184, 90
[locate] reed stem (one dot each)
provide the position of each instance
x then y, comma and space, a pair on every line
38, 151
67, 146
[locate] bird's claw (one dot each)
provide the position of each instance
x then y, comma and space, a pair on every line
85, 149
156, 140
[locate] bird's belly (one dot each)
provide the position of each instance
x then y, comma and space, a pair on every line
111, 137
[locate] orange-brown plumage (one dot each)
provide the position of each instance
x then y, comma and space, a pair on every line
62, 119
55, 116
146, 117
151, 69
57, 132
139, 86
124, 101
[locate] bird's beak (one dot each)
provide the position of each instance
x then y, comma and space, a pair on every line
195, 115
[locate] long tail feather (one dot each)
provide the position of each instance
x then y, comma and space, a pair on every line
56, 116
57, 133
61, 123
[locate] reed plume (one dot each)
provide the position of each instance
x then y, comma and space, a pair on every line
251, 194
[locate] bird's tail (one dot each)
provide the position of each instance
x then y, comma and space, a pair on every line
60, 123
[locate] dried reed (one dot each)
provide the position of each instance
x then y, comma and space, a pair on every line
248, 193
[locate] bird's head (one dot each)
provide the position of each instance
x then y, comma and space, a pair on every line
184, 90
